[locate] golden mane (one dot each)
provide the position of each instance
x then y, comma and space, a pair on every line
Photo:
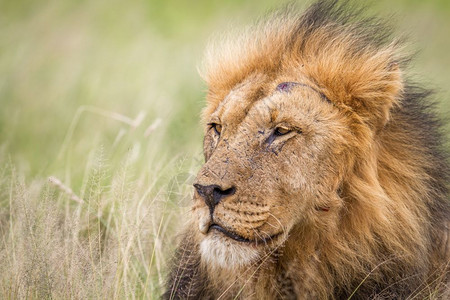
394, 194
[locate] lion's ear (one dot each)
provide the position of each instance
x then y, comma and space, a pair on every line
374, 90
369, 82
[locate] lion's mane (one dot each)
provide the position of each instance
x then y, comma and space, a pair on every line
390, 238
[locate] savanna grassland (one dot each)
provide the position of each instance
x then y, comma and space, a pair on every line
100, 137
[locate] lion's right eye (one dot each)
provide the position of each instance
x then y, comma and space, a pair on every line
217, 127
279, 131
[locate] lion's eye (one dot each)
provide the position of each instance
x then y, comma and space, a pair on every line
217, 128
279, 131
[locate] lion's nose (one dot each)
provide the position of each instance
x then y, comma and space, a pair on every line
213, 194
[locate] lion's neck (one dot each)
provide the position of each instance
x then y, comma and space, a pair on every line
262, 280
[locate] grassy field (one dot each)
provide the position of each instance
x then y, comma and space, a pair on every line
100, 137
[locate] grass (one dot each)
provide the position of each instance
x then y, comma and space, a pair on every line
100, 137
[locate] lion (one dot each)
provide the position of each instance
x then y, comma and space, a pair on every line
325, 174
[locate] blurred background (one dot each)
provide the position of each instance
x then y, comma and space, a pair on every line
100, 137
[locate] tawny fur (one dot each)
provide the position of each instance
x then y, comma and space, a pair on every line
352, 198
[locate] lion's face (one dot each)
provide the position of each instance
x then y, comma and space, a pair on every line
273, 162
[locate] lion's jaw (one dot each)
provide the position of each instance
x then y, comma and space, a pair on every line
278, 180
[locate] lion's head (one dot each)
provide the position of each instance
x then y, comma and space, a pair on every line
283, 135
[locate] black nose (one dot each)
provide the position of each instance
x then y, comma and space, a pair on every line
213, 194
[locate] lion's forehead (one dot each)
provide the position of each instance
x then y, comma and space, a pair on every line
244, 106
233, 109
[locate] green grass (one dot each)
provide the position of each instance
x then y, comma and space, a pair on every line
103, 98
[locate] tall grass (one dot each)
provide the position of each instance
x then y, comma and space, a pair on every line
99, 136
96, 249
109, 240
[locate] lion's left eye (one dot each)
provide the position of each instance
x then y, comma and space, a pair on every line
217, 127
279, 131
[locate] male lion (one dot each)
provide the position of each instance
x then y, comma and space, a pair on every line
325, 175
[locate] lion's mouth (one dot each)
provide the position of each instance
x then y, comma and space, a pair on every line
239, 238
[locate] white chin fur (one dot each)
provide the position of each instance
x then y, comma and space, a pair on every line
226, 253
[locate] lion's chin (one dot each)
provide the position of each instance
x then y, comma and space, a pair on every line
217, 249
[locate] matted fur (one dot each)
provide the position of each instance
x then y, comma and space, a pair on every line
350, 200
